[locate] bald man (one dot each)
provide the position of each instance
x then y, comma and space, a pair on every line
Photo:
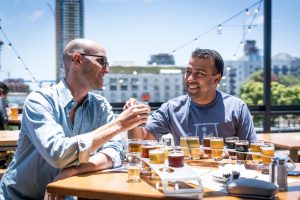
66, 125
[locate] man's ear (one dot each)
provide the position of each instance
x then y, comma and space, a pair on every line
77, 58
218, 78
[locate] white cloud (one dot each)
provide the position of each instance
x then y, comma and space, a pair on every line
35, 15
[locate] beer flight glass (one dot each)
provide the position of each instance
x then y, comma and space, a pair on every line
193, 144
256, 149
206, 144
134, 165
176, 157
267, 152
217, 146
242, 147
230, 146
134, 145
184, 146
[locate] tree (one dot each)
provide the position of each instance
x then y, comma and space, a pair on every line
285, 91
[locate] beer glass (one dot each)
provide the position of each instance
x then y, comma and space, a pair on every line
184, 146
176, 158
135, 145
148, 145
157, 156
241, 146
206, 144
255, 148
193, 145
217, 145
14, 110
267, 152
230, 146
134, 164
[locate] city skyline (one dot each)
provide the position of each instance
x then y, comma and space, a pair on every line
132, 31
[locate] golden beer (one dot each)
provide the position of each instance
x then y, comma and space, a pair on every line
255, 147
14, 111
134, 164
267, 152
183, 145
166, 149
157, 156
195, 153
133, 173
193, 142
217, 145
135, 147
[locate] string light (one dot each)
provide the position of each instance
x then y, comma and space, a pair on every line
241, 44
249, 29
196, 41
218, 27
247, 11
11, 46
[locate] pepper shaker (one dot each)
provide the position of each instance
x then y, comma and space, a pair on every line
272, 171
282, 174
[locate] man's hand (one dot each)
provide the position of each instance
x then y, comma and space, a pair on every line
130, 102
133, 115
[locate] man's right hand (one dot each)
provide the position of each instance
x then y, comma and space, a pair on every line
133, 115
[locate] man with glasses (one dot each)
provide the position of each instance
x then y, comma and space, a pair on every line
67, 130
204, 111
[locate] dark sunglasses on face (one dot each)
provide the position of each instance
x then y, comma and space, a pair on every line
103, 61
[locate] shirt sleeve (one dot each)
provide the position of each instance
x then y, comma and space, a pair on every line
245, 127
114, 147
39, 122
158, 123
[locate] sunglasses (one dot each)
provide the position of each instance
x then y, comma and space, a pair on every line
103, 62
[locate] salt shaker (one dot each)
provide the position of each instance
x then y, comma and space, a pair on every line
282, 174
273, 170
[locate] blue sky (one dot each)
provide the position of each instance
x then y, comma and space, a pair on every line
132, 30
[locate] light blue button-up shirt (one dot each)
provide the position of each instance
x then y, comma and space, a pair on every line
49, 142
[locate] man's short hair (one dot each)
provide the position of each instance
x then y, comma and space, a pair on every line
208, 53
3, 88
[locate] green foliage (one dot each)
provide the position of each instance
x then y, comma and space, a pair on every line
251, 92
284, 92
288, 80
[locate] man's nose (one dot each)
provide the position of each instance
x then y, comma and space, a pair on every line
190, 77
106, 69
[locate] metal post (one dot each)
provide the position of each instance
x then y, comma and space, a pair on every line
267, 64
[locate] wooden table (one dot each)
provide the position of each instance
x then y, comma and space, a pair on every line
289, 141
114, 186
8, 140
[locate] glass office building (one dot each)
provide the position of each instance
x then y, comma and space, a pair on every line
69, 25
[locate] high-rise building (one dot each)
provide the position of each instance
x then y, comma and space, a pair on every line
1, 43
69, 16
